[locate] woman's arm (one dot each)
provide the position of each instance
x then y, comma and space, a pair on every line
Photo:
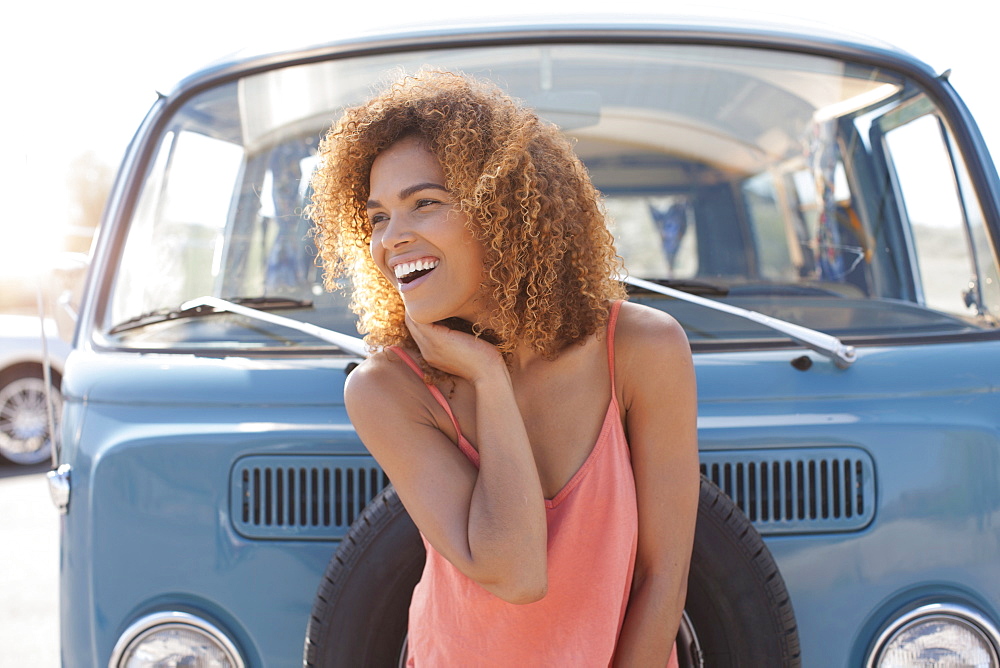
489, 523
656, 377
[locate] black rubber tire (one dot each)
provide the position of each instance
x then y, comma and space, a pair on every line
736, 600
740, 611
360, 614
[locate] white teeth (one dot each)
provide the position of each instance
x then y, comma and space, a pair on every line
407, 268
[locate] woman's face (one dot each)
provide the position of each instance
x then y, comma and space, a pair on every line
420, 241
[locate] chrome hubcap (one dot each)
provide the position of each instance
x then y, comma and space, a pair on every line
24, 430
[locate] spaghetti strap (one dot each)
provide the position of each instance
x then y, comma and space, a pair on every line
612, 322
463, 443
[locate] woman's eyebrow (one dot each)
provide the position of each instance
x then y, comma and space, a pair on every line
409, 190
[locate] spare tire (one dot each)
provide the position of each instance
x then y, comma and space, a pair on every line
737, 602
738, 612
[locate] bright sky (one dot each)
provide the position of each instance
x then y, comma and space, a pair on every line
80, 75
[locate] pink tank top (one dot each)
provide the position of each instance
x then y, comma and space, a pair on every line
592, 533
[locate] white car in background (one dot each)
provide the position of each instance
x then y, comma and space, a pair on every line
24, 420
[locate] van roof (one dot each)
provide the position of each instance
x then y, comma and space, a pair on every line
729, 28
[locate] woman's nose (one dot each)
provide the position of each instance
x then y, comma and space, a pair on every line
397, 232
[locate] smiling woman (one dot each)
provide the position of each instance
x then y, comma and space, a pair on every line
521, 482
548, 280
419, 239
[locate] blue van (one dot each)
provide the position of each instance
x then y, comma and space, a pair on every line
820, 214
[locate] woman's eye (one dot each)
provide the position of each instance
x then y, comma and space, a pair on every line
426, 202
379, 218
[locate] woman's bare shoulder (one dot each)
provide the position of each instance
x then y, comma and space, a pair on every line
642, 330
381, 380
652, 355
373, 373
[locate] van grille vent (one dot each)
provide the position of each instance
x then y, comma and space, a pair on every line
782, 491
804, 490
301, 496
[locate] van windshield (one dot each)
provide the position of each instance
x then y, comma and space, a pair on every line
818, 191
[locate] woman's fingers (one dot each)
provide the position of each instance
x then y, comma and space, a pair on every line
451, 351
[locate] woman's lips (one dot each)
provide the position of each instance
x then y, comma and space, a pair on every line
413, 281
405, 270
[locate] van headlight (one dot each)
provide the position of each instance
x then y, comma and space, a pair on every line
939, 635
174, 639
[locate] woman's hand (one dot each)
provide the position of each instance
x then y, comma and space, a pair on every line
454, 352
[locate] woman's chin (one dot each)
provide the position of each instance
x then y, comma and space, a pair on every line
427, 316
426, 312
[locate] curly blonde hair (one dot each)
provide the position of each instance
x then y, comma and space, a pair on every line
551, 262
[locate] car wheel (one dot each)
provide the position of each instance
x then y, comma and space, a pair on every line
738, 612
24, 418
737, 603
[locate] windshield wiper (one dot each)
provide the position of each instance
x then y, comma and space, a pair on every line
687, 285
345, 342
825, 344
190, 310
207, 305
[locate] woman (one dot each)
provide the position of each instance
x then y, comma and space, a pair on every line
539, 430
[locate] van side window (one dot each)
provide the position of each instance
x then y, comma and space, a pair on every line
953, 267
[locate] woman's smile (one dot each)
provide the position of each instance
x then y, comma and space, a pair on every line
409, 271
420, 241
